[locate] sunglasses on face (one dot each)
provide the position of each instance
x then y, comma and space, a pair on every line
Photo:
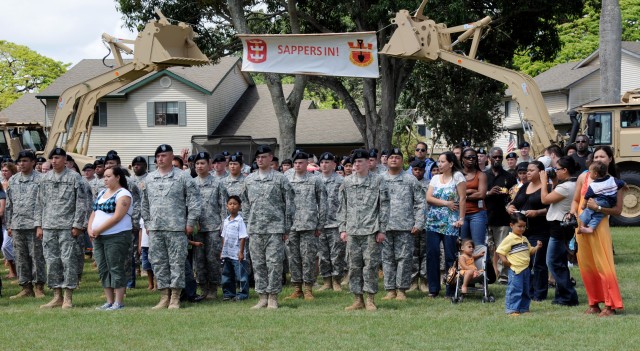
581, 141
497, 157
470, 157
421, 150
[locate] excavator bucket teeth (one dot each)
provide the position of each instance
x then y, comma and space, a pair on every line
169, 45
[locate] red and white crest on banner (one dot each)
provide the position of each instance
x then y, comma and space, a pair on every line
361, 54
256, 50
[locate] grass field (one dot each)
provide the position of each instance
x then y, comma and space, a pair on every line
419, 323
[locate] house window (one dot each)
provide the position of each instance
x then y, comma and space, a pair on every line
630, 119
166, 113
151, 163
506, 109
100, 116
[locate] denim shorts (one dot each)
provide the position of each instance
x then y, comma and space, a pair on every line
144, 257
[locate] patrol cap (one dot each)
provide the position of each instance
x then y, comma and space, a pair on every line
372, 153
163, 148
512, 155
203, 155
418, 164
523, 145
522, 166
139, 159
339, 168
88, 166
395, 151
217, 158
235, 158
113, 157
300, 156
327, 156
99, 161
360, 153
57, 152
263, 149
28, 154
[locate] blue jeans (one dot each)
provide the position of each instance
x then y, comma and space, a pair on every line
539, 272
144, 257
433, 259
591, 218
557, 263
190, 285
235, 272
517, 297
475, 227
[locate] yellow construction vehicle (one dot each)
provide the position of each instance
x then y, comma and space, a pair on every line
420, 38
17, 136
159, 46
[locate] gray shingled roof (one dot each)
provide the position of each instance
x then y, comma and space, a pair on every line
255, 116
632, 46
26, 109
207, 77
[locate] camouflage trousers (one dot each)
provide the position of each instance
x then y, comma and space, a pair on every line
207, 257
129, 272
364, 260
29, 257
397, 259
80, 253
60, 250
332, 253
267, 255
167, 254
419, 269
302, 250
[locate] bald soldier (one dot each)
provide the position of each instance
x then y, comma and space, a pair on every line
170, 210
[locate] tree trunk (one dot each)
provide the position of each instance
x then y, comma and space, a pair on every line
610, 51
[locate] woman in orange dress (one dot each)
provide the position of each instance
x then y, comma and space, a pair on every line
595, 251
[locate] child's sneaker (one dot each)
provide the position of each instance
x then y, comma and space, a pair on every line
104, 307
115, 306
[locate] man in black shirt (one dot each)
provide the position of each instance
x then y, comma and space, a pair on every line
499, 182
582, 151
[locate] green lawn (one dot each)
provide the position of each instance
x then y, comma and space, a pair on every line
418, 323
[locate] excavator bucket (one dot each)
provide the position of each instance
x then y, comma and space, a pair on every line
166, 44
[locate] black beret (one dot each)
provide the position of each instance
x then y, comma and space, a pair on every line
522, 166
482, 151
395, 151
296, 151
512, 155
523, 145
238, 153
28, 154
287, 162
339, 168
41, 159
57, 152
203, 156
112, 152
360, 153
99, 161
348, 160
254, 165
275, 159
235, 158
191, 158
113, 157
88, 166
263, 149
301, 156
139, 159
327, 156
218, 158
384, 152
418, 164
163, 148
69, 158
372, 153
226, 153
465, 143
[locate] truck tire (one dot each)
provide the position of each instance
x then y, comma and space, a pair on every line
631, 200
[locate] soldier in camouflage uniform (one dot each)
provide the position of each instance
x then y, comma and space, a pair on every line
214, 199
268, 208
309, 220
219, 164
406, 219
235, 180
363, 216
60, 217
21, 203
97, 184
419, 270
170, 208
330, 247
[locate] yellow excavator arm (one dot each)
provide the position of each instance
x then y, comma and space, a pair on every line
420, 38
159, 46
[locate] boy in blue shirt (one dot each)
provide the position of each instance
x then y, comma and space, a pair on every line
235, 267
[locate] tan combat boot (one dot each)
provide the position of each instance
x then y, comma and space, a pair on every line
308, 293
370, 304
391, 294
262, 303
401, 295
174, 303
297, 292
414, 284
326, 285
164, 300
67, 302
273, 301
27, 291
204, 291
336, 284
358, 303
56, 301
423, 285
39, 293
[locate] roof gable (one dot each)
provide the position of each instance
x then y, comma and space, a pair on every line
26, 109
628, 47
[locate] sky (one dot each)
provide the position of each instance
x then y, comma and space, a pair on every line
65, 30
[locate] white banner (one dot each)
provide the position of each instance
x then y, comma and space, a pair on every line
335, 54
